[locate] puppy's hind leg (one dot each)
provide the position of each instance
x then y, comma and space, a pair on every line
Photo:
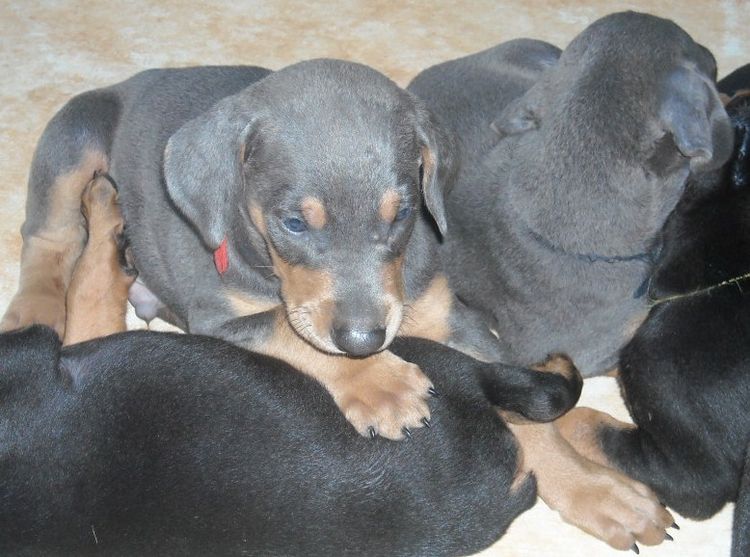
73, 147
98, 293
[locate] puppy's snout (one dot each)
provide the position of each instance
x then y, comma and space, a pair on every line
357, 342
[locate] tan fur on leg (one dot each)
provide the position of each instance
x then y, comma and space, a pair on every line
601, 501
49, 255
98, 293
580, 428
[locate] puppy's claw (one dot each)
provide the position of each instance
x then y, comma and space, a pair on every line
668, 537
674, 525
371, 431
433, 392
407, 432
426, 422
635, 549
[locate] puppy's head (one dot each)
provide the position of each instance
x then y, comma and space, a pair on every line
630, 109
325, 166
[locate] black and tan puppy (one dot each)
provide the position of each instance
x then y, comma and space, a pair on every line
290, 212
686, 373
161, 444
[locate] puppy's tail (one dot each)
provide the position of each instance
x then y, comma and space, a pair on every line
741, 527
541, 394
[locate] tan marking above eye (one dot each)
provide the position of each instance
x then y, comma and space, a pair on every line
389, 205
256, 215
314, 212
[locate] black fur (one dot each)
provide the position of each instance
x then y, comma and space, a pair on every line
160, 444
686, 373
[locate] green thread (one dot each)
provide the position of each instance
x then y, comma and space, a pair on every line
735, 280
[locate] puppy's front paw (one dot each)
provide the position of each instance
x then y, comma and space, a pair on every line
616, 509
384, 396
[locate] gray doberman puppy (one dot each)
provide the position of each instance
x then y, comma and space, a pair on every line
572, 163
278, 210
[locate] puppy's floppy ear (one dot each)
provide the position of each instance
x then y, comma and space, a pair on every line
692, 112
203, 166
439, 159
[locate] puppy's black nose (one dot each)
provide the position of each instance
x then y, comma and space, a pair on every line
359, 343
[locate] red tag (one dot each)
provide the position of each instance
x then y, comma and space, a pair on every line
221, 258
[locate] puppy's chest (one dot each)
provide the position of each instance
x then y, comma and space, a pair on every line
588, 322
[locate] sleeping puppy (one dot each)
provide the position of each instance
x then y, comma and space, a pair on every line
161, 444
684, 375
571, 164
290, 212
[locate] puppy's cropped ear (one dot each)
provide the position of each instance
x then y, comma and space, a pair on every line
692, 112
439, 165
518, 117
203, 167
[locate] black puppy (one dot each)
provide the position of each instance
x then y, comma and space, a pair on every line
159, 444
686, 373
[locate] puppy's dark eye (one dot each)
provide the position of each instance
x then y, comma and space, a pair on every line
293, 224
403, 213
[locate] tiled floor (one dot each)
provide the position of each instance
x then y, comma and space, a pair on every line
50, 50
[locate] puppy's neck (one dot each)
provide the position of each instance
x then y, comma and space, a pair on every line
582, 199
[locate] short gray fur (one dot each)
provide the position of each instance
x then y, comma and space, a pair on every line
572, 162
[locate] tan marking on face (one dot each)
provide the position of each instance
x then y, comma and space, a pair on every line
389, 205
307, 293
243, 304
314, 212
308, 296
393, 296
429, 315
49, 255
98, 292
259, 220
